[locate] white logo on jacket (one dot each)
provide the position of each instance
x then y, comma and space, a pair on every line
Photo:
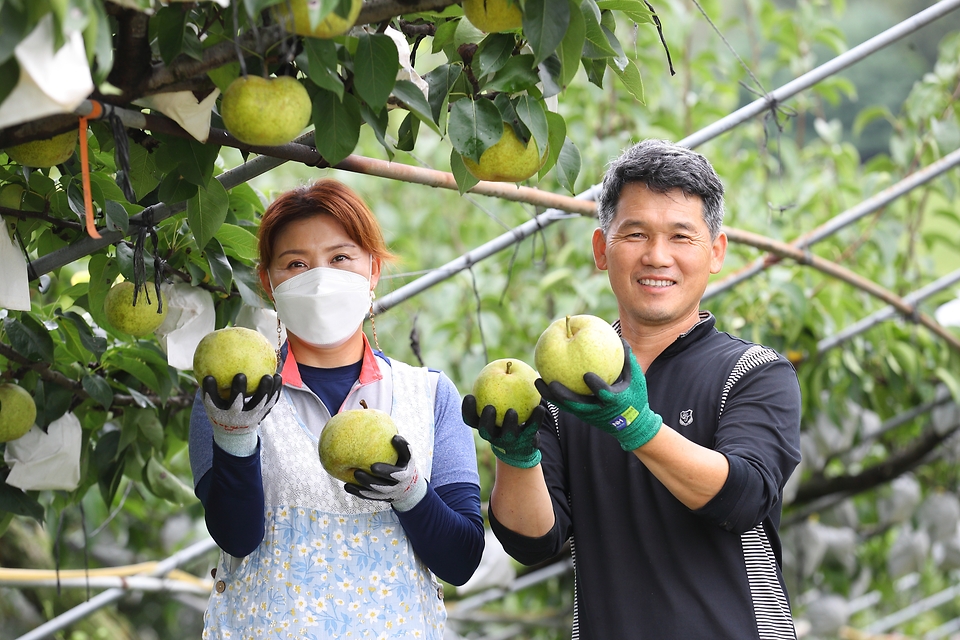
686, 417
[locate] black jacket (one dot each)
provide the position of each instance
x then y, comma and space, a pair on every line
647, 567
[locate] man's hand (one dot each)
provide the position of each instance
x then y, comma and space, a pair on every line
518, 445
236, 418
620, 409
400, 484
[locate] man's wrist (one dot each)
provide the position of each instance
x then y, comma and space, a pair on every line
640, 431
520, 461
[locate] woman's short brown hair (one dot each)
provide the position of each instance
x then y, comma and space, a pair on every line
324, 196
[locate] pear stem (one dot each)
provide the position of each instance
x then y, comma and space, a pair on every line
363, 403
569, 330
509, 366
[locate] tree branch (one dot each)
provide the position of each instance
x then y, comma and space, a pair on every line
49, 375
895, 465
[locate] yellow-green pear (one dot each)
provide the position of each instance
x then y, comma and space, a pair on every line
265, 111
45, 153
139, 320
226, 352
299, 22
18, 411
509, 160
574, 345
493, 16
355, 439
507, 384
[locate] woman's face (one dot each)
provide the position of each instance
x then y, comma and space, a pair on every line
318, 241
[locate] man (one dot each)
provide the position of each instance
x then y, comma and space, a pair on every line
668, 483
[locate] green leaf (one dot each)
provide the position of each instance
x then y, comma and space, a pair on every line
103, 271
173, 35
15, 501
224, 75
248, 284
117, 217
92, 343
568, 165
414, 100
630, 77
143, 171
556, 135
375, 65
135, 367
53, 400
868, 115
16, 26
550, 71
322, 64
534, 116
440, 81
337, 125
29, 338
9, 76
519, 74
192, 160
636, 10
238, 241
98, 389
378, 124
475, 126
465, 179
596, 44
407, 132
219, 265
952, 382
544, 24
494, 52
206, 212
164, 484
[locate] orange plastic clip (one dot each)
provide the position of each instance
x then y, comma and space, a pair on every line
95, 112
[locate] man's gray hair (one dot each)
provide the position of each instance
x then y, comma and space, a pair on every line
662, 166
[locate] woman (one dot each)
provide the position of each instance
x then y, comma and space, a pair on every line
303, 554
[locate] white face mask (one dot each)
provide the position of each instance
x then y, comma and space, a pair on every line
323, 306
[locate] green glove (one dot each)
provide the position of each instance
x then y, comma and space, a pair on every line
620, 409
516, 444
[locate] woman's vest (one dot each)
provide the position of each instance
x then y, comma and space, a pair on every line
330, 565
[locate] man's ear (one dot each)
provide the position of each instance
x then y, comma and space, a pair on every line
719, 251
600, 249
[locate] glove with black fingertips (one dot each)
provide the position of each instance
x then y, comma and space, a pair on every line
400, 484
620, 409
516, 444
237, 417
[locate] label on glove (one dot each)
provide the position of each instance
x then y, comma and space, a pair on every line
624, 419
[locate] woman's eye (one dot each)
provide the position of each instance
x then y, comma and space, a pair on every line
340, 258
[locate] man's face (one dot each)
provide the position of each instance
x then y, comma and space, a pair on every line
659, 256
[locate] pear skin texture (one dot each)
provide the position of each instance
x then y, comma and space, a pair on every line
493, 16
265, 112
45, 153
18, 411
507, 384
572, 346
355, 439
331, 26
139, 320
509, 160
226, 352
